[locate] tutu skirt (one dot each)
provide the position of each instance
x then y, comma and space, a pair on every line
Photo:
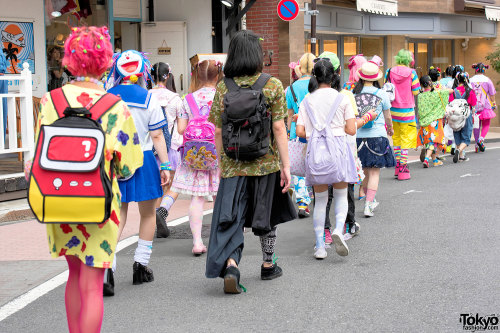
145, 184
195, 182
486, 114
375, 152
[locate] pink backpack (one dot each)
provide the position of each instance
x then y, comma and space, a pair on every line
198, 150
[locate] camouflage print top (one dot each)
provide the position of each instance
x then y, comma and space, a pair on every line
268, 163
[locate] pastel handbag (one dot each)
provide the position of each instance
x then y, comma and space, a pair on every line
297, 154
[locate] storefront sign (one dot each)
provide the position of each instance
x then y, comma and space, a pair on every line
288, 10
164, 49
17, 45
492, 13
382, 7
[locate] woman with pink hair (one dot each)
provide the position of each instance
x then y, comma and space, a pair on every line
355, 63
90, 248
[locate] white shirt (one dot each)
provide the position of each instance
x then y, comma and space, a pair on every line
147, 120
321, 102
172, 103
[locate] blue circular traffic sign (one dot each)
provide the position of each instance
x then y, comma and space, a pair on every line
288, 10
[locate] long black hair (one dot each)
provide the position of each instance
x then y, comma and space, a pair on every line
434, 74
244, 56
361, 84
462, 78
323, 72
426, 81
161, 72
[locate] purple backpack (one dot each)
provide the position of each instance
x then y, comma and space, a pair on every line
322, 166
198, 150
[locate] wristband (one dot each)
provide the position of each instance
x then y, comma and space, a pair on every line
366, 118
166, 166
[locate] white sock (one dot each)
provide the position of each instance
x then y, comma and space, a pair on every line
143, 251
113, 267
321, 199
167, 202
341, 206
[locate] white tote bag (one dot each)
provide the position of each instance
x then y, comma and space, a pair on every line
297, 155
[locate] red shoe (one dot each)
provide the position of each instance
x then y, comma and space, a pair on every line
404, 172
396, 170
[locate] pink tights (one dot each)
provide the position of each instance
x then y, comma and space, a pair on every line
196, 218
484, 127
84, 305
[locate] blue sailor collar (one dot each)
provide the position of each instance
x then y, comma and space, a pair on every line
133, 95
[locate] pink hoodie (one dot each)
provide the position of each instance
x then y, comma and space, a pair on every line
401, 77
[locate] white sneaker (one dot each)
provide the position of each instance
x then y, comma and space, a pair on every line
368, 209
320, 253
340, 244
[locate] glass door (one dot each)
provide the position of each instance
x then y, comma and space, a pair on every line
421, 50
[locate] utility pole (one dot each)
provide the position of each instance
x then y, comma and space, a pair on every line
313, 27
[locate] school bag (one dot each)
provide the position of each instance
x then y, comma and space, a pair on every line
68, 182
482, 96
198, 151
457, 111
246, 120
322, 164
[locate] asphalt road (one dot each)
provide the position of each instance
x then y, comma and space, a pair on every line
426, 257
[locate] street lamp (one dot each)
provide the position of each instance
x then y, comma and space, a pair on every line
228, 3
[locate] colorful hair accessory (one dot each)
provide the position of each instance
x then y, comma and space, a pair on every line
84, 51
98, 46
73, 51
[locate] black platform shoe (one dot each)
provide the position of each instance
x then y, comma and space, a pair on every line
142, 274
108, 288
269, 273
232, 280
161, 223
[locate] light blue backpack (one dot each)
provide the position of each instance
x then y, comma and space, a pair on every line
322, 164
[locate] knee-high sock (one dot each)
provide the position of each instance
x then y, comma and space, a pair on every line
477, 132
72, 294
113, 267
267, 244
404, 157
370, 194
319, 214
341, 207
143, 251
196, 218
485, 127
397, 153
167, 202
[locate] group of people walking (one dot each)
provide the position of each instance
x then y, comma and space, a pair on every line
228, 139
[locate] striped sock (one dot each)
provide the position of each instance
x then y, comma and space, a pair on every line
397, 153
404, 157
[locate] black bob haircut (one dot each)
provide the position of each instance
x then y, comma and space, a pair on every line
244, 56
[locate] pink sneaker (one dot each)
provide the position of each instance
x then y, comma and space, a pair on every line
396, 170
328, 237
404, 172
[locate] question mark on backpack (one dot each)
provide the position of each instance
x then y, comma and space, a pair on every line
86, 143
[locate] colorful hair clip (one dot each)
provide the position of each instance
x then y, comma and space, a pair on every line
101, 38
73, 51
84, 51
98, 46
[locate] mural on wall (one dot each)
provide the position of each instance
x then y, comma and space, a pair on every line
18, 45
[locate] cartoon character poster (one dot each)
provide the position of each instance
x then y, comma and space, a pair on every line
18, 45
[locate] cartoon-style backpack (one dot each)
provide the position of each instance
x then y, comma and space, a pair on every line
198, 151
482, 96
68, 182
457, 111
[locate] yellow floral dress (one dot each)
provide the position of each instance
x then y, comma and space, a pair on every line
95, 244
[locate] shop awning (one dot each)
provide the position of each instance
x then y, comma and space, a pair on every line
382, 7
492, 13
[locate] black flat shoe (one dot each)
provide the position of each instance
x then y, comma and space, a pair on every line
142, 274
270, 273
162, 230
232, 280
108, 288
456, 156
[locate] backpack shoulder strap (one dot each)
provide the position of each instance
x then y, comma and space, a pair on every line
293, 95
457, 94
231, 84
60, 101
334, 108
192, 105
106, 102
261, 82
310, 113
388, 79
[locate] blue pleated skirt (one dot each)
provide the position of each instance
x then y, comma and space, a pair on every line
145, 184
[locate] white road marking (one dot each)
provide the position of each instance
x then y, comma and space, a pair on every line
470, 175
412, 191
22, 301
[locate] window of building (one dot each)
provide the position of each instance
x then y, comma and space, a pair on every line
429, 52
368, 46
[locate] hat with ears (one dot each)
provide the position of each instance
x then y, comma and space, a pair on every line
377, 60
369, 71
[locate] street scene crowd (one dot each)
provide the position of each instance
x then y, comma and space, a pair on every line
239, 138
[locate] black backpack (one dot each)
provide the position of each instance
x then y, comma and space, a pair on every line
246, 120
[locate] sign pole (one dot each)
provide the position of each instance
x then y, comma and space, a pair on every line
313, 28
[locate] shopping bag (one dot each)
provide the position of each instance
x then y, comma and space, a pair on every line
297, 155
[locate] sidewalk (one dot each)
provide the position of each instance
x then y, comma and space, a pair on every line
25, 261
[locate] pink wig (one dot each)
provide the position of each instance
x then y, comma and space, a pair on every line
88, 51
355, 63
